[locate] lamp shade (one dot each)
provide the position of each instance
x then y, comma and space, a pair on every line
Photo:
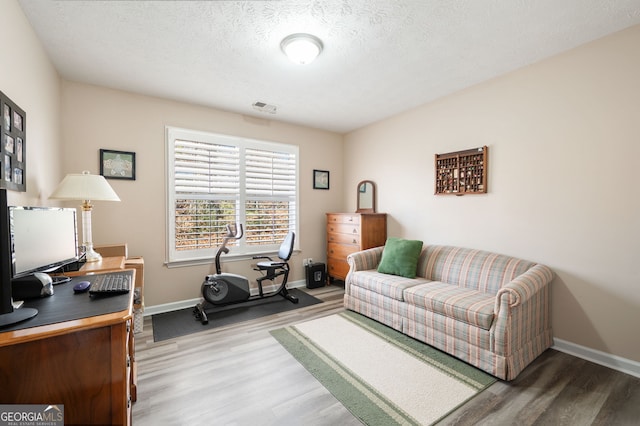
84, 186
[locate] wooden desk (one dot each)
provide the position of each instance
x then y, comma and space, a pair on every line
78, 351
113, 263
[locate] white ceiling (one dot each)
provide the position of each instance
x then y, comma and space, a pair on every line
380, 57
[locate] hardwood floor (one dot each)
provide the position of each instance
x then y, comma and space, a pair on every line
239, 375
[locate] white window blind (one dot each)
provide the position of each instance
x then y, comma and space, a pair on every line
215, 180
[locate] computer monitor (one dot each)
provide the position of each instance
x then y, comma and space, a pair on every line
8, 315
43, 239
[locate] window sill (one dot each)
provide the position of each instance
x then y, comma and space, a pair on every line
225, 258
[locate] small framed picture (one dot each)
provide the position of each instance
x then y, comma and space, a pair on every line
17, 176
17, 120
6, 114
320, 179
118, 164
9, 145
7, 168
19, 150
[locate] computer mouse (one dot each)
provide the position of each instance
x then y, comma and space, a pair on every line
81, 287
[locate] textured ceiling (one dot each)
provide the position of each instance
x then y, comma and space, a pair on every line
380, 57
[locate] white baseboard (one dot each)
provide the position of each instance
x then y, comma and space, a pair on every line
168, 307
190, 303
615, 362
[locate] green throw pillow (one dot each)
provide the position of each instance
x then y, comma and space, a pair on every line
400, 257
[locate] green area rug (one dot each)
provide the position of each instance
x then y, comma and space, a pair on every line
382, 376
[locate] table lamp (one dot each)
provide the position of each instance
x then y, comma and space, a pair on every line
85, 187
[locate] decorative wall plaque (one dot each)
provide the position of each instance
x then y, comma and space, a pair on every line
462, 172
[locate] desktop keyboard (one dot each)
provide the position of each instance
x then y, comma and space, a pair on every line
112, 283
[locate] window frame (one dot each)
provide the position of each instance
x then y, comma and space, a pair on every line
238, 249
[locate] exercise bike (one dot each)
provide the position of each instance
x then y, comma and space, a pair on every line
222, 289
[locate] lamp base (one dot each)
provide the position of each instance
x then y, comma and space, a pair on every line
92, 255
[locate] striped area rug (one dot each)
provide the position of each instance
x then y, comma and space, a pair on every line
383, 377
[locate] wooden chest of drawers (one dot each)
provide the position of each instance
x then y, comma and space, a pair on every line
351, 232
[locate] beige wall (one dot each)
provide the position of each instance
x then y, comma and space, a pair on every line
563, 180
564, 146
95, 117
29, 79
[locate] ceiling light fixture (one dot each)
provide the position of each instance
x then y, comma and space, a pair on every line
301, 48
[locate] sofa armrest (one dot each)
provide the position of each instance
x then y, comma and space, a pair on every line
523, 287
362, 261
366, 259
522, 318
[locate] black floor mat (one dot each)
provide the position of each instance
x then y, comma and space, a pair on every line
182, 322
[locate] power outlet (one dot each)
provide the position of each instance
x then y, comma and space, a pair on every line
306, 262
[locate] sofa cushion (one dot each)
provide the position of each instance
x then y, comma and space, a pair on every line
392, 286
400, 257
470, 268
470, 306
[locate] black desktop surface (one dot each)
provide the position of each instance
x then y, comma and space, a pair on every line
66, 305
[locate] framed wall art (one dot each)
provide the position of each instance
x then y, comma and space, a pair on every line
320, 179
462, 172
13, 160
118, 164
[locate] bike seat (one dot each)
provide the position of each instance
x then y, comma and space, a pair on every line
271, 264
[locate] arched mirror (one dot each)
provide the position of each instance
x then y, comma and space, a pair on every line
366, 197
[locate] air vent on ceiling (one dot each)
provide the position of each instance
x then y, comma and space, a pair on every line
263, 107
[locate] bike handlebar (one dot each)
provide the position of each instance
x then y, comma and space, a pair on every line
234, 235
231, 235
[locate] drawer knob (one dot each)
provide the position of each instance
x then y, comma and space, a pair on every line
355, 230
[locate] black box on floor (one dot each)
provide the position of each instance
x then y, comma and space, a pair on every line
316, 275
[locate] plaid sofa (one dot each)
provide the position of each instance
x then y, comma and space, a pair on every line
487, 309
